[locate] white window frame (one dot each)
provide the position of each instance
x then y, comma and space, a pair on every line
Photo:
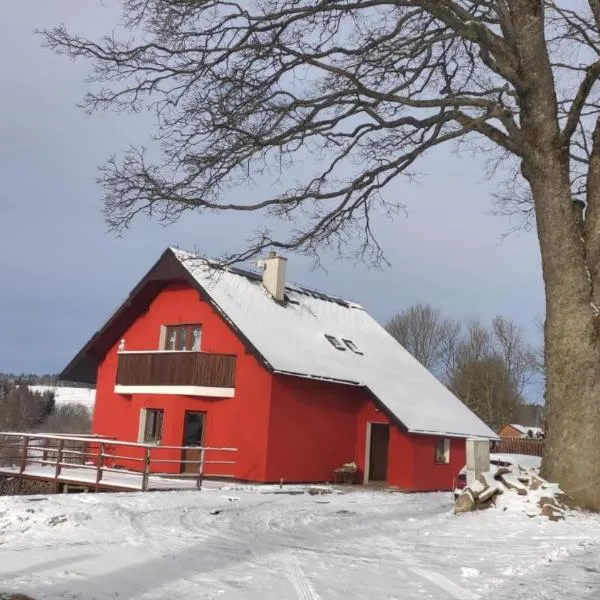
142, 425
445, 451
163, 336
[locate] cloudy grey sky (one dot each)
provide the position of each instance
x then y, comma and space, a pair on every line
61, 274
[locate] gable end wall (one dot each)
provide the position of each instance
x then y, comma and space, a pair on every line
241, 421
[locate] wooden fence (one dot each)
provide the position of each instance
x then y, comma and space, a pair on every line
93, 459
518, 446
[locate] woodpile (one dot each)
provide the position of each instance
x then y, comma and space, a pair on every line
513, 487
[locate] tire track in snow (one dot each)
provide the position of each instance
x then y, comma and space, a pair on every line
302, 585
445, 584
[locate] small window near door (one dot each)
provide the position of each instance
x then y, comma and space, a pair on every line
183, 338
442, 451
151, 421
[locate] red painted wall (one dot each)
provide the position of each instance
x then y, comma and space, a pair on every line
239, 421
427, 474
411, 458
312, 429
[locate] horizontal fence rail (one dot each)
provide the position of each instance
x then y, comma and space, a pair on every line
518, 446
176, 369
95, 461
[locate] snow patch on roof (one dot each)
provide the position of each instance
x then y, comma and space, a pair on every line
290, 335
524, 430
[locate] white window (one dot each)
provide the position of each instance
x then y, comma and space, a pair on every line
335, 342
151, 425
182, 337
442, 451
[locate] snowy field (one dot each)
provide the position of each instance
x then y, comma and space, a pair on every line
244, 542
69, 395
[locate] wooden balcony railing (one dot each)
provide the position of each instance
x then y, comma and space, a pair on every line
166, 368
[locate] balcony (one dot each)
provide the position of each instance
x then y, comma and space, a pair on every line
181, 373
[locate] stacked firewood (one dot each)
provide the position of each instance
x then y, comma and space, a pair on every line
513, 486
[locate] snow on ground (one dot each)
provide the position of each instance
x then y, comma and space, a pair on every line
251, 542
69, 395
523, 460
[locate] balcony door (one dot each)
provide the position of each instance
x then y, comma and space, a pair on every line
193, 430
183, 338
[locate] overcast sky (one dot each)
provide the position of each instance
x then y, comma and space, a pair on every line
61, 274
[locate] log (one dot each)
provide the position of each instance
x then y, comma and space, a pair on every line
512, 483
489, 481
465, 502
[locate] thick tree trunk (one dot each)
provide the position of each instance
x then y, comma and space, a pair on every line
572, 348
572, 449
572, 357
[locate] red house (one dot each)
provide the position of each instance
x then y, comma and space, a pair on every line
300, 382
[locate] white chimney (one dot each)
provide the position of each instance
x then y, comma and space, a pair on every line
274, 275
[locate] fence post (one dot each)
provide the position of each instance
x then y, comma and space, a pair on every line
24, 454
59, 457
99, 462
200, 470
146, 469
45, 451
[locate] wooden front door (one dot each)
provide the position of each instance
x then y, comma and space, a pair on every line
193, 428
378, 454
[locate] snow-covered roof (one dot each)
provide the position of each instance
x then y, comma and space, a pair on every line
524, 430
291, 337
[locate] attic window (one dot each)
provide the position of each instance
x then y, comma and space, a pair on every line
335, 342
350, 344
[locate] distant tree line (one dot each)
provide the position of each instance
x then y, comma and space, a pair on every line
22, 409
487, 366
34, 379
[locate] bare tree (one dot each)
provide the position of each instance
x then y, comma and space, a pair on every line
22, 409
490, 370
68, 418
486, 387
425, 334
366, 87
520, 359
487, 368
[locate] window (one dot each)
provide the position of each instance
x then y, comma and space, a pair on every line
352, 346
442, 451
183, 337
335, 342
151, 424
